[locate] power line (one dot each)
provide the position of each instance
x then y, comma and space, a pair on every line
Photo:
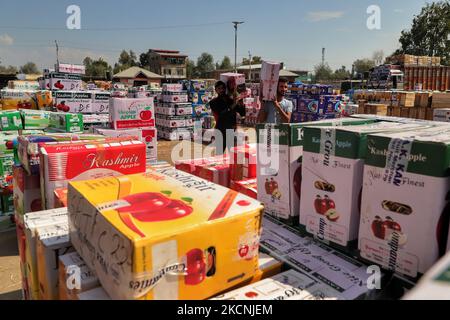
117, 28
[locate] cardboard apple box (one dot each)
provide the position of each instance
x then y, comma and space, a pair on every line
52, 242
279, 165
27, 193
73, 101
64, 81
332, 167
288, 285
344, 274
404, 210
129, 113
75, 276
100, 102
270, 73
32, 222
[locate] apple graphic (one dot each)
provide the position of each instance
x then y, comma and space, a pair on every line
145, 115
36, 205
267, 187
27, 105
9, 144
329, 203
251, 294
318, 205
66, 109
20, 105
389, 223
196, 267
298, 181
243, 251
143, 203
377, 229
332, 215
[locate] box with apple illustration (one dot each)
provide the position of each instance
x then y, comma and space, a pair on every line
60, 163
32, 223
332, 167
74, 101
129, 113
175, 134
64, 81
27, 193
288, 285
160, 220
174, 109
28, 149
348, 277
13, 99
175, 97
279, 171
148, 136
247, 187
405, 213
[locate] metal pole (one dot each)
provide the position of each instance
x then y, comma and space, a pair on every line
250, 65
236, 23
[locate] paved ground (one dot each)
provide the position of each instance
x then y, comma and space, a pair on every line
10, 282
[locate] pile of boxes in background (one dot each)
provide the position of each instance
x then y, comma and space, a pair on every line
314, 102
174, 113
425, 105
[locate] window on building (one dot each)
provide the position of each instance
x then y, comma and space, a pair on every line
180, 71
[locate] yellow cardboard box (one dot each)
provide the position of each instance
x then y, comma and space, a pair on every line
164, 236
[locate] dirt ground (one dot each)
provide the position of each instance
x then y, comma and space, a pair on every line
10, 281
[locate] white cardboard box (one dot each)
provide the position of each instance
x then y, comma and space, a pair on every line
441, 114
404, 200
128, 113
270, 73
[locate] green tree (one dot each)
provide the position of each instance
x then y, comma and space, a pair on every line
255, 60
205, 64
322, 71
363, 65
144, 60
429, 32
29, 68
341, 74
126, 60
225, 64
191, 71
8, 70
96, 68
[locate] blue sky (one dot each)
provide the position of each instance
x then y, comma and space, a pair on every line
292, 31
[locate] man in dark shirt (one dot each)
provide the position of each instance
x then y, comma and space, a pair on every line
225, 108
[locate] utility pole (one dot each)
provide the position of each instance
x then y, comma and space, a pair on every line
250, 65
323, 56
236, 23
57, 53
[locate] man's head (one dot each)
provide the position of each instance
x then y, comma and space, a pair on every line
282, 86
220, 87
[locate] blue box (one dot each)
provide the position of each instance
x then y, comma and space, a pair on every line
307, 105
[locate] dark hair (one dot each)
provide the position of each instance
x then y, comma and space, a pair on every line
220, 84
283, 80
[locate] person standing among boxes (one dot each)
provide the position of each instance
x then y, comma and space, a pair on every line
280, 109
225, 109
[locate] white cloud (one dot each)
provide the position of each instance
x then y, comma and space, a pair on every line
316, 16
6, 39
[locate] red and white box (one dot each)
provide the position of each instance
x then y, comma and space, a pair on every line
172, 87
215, 172
175, 97
243, 162
147, 135
249, 187
61, 163
234, 82
191, 165
127, 113
27, 193
270, 74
